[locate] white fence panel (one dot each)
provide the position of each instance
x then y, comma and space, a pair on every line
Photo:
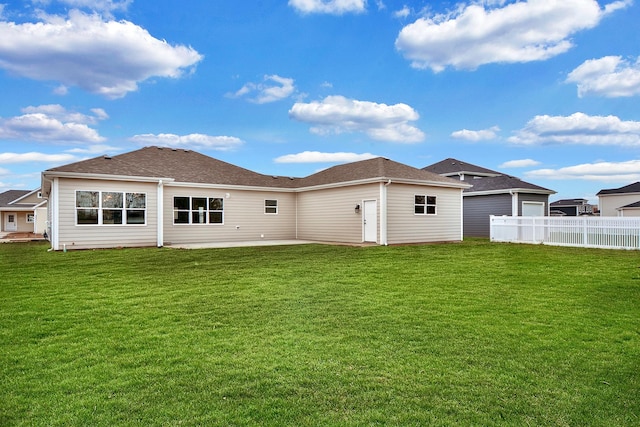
588, 232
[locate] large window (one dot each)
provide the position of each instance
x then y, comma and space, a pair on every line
198, 210
110, 208
424, 205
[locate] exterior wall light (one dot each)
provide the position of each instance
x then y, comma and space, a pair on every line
357, 209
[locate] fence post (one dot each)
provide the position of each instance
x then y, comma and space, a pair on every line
491, 225
585, 242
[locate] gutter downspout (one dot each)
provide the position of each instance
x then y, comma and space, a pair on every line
514, 203
55, 214
461, 214
160, 215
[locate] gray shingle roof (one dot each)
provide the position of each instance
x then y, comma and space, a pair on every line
378, 167
568, 202
491, 180
454, 166
180, 165
193, 167
11, 195
631, 188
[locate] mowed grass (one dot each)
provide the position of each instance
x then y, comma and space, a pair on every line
453, 334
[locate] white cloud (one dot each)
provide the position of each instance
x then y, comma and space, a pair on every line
333, 7
476, 135
106, 7
319, 157
337, 114
262, 93
52, 123
628, 171
610, 76
11, 158
194, 140
402, 13
479, 34
4, 171
578, 128
94, 149
58, 112
524, 163
106, 58
61, 90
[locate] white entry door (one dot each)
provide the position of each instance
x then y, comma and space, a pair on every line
370, 221
10, 221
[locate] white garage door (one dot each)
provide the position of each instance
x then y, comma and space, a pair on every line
532, 209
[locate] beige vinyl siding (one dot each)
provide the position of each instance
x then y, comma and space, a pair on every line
609, 204
32, 198
23, 225
104, 236
41, 220
244, 217
329, 215
404, 226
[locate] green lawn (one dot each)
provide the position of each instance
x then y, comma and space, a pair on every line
454, 334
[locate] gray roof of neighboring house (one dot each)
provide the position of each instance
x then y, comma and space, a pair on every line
631, 205
11, 195
568, 202
504, 182
491, 181
631, 188
454, 167
193, 167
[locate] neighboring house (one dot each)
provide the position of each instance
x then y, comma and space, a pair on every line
492, 193
621, 201
159, 196
23, 211
572, 207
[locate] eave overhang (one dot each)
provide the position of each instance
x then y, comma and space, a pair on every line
507, 191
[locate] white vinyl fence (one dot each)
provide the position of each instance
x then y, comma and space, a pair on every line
583, 231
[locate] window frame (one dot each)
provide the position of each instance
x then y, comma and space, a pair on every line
268, 207
429, 206
213, 208
124, 210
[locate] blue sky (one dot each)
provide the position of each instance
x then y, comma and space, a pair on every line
545, 90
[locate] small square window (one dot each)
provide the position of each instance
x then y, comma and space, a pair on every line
424, 205
271, 206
